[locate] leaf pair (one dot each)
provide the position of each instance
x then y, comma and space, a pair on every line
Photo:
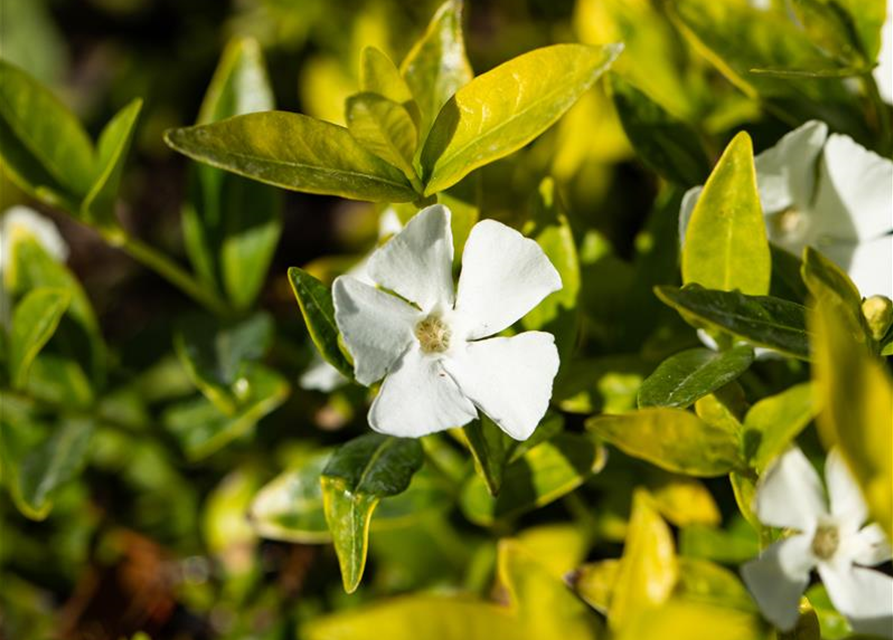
48, 153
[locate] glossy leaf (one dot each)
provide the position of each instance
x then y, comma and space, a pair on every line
216, 355
315, 301
857, 392
504, 109
672, 439
489, 447
544, 474
202, 429
725, 243
355, 478
648, 569
666, 145
830, 287
34, 322
684, 378
98, 207
773, 422
379, 75
44, 147
436, 66
386, 129
294, 152
760, 320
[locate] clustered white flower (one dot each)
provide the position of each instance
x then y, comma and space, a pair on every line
425, 337
830, 193
830, 537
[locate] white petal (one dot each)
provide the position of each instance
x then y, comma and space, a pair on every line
778, 578
689, 200
870, 546
509, 379
321, 376
790, 493
417, 398
504, 275
20, 219
883, 73
853, 199
869, 264
864, 596
786, 172
417, 262
376, 326
847, 504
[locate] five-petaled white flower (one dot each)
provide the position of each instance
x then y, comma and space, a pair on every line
830, 193
831, 540
426, 341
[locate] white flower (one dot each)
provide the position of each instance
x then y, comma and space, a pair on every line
832, 540
425, 341
17, 220
830, 193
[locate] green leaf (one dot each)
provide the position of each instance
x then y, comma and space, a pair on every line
315, 300
830, 287
34, 322
294, 152
544, 474
704, 581
725, 243
868, 17
857, 391
648, 569
760, 320
202, 429
59, 381
672, 439
833, 31
489, 447
216, 354
378, 74
355, 478
35, 474
773, 422
666, 145
736, 543
98, 207
504, 109
386, 129
685, 377
42, 144
240, 84
436, 67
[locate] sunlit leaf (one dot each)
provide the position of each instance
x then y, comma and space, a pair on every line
378, 74
504, 109
773, 422
709, 583
386, 129
683, 500
34, 322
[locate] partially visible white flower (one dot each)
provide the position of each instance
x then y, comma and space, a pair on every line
18, 220
883, 72
830, 193
830, 539
424, 337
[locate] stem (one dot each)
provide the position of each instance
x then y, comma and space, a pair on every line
170, 271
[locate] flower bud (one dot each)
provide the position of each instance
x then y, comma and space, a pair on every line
878, 311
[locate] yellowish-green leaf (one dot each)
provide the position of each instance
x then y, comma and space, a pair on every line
673, 439
595, 583
648, 569
504, 109
773, 422
34, 322
725, 243
386, 129
695, 621
683, 500
832, 288
378, 74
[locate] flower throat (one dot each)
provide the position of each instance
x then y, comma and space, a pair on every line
433, 334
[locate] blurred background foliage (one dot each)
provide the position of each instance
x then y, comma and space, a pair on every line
153, 536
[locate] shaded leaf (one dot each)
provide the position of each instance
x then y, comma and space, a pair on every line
489, 447
386, 129
832, 288
34, 322
378, 74
773, 422
687, 376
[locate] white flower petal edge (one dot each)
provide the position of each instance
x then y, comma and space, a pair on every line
778, 578
17, 219
417, 262
864, 596
790, 475
853, 198
504, 275
844, 495
377, 327
510, 379
869, 264
417, 398
786, 171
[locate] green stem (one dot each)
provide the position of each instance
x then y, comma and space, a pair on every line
170, 271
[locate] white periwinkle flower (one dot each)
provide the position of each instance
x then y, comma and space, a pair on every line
830, 193
829, 539
426, 341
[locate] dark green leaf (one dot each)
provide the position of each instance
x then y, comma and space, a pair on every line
673, 439
666, 145
761, 320
294, 152
315, 300
501, 111
34, 322
682, 379
489, 447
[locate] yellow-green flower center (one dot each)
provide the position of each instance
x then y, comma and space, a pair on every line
433, 334
825, 541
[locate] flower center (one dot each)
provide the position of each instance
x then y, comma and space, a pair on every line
433, 334
825, 541
790, 222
